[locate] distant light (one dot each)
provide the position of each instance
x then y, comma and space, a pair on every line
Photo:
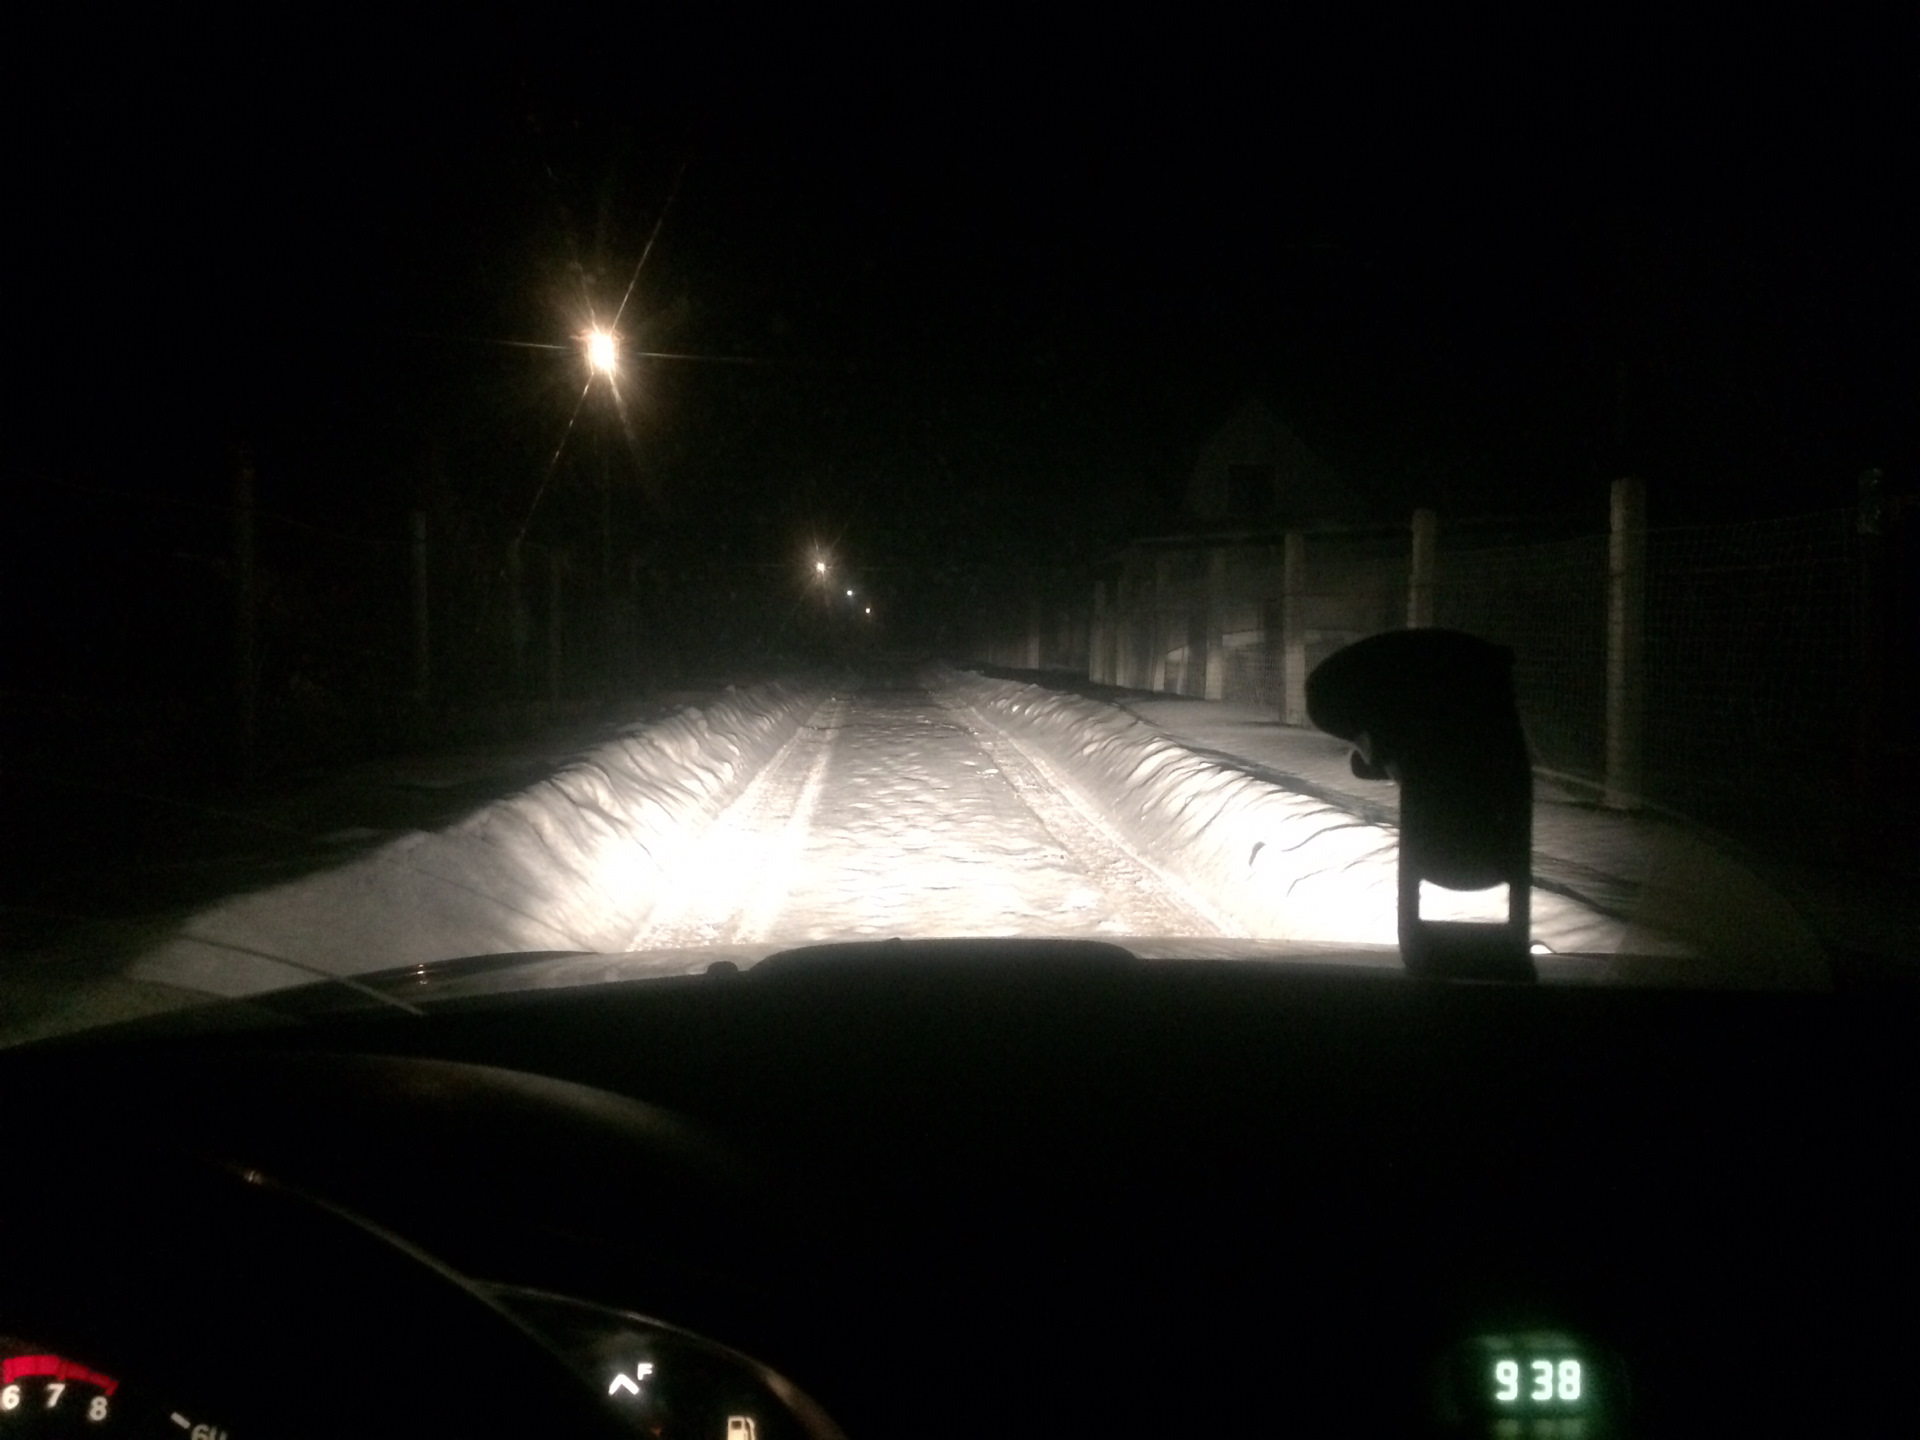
869, 609
603, 352
849, 594
819, 567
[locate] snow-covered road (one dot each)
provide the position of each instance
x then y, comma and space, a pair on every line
946, 804
891, 813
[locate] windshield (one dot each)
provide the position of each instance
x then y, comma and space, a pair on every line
593, 498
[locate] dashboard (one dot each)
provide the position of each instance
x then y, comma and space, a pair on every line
951, 1188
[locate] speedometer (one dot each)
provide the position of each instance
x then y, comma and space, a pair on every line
43, 1393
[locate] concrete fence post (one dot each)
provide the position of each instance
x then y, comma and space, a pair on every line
1266, 618
517, 628
1193, 652
1123, 628
1158, 626
1873, 658
630, 624
1034, 624
1426, 527
1293, 629
1626, 643
556, 573
422, 612
1097, 637
1214, 684
246, 618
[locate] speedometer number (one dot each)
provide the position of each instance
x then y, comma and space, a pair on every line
70, 1395
13, 1397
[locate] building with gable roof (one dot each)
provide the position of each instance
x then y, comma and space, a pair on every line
1254, 473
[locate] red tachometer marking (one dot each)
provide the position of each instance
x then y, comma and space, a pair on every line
19, 1367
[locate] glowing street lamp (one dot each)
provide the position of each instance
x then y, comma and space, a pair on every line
603, 352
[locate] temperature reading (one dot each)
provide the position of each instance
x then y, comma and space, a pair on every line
1541, 1382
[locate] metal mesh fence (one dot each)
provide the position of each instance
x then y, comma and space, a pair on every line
1250, 625
1180, 617
329, 620
118, 623
1751, 669
1354, 585
1748, 636
331, 644
1205, 620
1547, 603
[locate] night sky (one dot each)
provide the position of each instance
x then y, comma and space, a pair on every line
996, 283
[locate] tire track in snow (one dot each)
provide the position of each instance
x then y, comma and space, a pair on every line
721, 882
892, 812
929, 825
770, 896
1152, 901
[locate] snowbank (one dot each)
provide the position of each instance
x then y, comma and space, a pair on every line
572, 863
1273, 863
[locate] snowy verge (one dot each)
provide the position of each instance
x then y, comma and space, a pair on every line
575, 862
1270, 862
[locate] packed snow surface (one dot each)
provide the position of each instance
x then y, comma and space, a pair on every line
1273, 863
953, 805
893, 815
574, 862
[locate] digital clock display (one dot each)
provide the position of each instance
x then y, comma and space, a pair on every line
1552, 1383
1515, 1383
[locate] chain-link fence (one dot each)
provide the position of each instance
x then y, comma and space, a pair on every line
1547, 602
220, 637
1752, 670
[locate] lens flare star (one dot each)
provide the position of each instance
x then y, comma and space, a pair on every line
603, 352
